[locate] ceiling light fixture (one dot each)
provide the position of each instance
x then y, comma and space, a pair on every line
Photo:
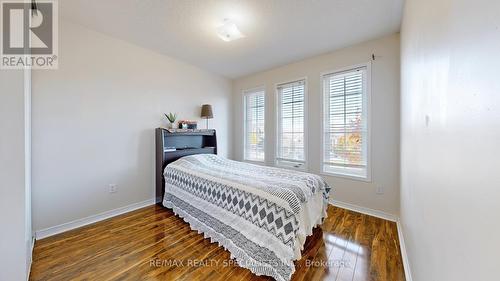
229, 31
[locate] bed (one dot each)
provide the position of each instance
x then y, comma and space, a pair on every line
261, 215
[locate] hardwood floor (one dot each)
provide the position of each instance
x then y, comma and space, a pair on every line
154, 244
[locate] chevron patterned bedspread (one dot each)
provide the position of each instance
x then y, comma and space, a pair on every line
261, 215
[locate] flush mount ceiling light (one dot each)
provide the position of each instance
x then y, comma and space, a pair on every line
229, 31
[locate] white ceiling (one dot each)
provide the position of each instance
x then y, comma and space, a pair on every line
277, 31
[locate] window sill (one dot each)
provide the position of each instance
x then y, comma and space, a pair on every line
346, 176
301, 169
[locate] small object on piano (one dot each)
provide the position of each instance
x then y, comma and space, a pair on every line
188, 130
188, 124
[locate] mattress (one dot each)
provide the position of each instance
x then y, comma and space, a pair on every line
261, 215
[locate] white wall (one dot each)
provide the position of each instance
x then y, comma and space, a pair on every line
15, 233
94, 120
384, 114
450, 180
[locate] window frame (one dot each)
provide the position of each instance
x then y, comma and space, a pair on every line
305, 166
367, 95
245, 93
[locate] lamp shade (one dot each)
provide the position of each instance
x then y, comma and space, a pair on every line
206, 111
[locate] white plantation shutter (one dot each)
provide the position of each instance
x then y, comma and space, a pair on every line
345, 123
254, 125
291, 118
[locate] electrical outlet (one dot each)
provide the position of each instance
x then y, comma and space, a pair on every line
113, 188
380, 190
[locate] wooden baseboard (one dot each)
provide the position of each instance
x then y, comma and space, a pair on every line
404, 255
43, 233
364, 210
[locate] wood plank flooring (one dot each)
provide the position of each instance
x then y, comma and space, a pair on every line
154, 244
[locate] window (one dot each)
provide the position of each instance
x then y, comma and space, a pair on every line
254, 125
345, 126
291, 117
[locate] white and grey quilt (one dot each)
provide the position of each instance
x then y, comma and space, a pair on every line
262, 215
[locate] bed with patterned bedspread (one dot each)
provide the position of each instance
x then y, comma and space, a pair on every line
261, 215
